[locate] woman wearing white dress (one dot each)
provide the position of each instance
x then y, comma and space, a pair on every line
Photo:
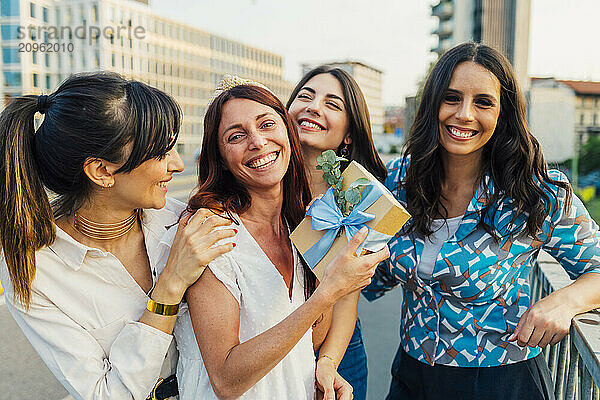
253, 309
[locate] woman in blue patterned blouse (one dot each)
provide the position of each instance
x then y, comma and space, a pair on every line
483, 204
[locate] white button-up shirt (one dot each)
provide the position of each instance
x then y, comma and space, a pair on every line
84, 312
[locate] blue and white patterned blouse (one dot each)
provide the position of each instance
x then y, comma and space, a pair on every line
479, 289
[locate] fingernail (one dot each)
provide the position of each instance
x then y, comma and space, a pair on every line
235, 230
233, 244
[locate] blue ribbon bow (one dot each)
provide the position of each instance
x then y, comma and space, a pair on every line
326, 215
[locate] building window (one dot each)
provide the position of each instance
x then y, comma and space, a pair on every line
10, 55
32, 10
12, 78
34, 57
57, 16
47, 59
94, 13
9, 8
36, 80
48, 85
595, 119
97, 59
9, 32
45, 14
112, 59
581, 119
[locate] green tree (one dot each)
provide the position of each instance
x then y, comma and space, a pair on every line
589, 158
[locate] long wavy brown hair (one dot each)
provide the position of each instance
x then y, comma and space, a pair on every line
512, 157
220, 191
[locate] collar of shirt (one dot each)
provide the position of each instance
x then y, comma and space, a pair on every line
154, 225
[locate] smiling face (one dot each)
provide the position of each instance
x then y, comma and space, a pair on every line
319, 111
254, 144
146, 185
469, 111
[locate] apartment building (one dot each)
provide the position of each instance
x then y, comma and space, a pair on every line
563, 114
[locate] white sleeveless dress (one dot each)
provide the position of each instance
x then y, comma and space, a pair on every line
264, 302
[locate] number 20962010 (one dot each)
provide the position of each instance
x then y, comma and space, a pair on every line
45, 47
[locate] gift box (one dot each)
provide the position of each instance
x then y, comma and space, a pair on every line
325, 230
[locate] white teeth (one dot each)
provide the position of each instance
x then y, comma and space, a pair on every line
462, 134
263, 161
309, 124
162, 184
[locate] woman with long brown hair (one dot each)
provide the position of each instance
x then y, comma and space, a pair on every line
483, 205
331, 113
248, 330
80, 273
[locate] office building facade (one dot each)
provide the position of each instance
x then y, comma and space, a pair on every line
61, 37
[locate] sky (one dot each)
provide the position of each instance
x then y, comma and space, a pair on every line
391, 35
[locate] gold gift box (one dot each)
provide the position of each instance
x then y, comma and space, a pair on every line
389, 218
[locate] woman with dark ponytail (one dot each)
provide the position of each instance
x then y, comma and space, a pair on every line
80, 273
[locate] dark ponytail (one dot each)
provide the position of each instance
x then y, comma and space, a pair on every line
93, 115
26, 223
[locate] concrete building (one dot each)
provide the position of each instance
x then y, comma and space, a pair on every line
60, 37
370, 81
587, 108
502, 24
551, 117
563, 114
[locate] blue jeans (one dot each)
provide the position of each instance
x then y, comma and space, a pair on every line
353, 366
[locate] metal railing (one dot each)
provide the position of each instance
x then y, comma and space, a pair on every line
575, 361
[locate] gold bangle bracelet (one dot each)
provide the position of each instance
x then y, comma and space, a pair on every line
329, 358
162, 309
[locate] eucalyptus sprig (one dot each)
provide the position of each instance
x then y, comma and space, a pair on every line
329, 163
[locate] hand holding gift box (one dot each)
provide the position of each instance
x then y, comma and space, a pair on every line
355, 199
